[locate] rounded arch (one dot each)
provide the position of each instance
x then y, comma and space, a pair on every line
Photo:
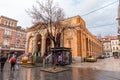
48, 45
38, 43
30, 44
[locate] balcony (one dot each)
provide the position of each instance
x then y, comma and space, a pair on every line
6, 47
7, 36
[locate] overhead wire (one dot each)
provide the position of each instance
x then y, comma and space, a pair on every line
99, 8
102, 25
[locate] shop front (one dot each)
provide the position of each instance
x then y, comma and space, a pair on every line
11, 51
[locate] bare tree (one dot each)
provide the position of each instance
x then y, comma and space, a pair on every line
49, 17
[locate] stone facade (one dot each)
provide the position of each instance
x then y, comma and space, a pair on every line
82, 42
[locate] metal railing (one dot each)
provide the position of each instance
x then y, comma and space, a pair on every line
47, 60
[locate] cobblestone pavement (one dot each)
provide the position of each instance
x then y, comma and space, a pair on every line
105, 69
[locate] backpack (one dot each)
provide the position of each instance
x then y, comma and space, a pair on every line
12, 60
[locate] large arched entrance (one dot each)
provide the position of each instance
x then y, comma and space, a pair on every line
30, 42
38, 44
48, 45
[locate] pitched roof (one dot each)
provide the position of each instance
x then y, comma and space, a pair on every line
110, 38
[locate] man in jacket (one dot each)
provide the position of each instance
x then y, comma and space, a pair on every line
3, 59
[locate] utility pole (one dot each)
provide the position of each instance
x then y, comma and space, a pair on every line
118, 17
119, 21
118, 25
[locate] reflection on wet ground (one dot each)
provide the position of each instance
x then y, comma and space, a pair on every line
99, 72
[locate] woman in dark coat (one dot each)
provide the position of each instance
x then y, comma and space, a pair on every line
3, 59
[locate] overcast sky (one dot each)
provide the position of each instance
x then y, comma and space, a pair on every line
102, 22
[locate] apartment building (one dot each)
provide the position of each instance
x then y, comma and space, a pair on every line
12, 37
107, 49
111, 45
115, 47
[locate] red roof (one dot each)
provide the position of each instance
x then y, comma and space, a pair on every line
110, 38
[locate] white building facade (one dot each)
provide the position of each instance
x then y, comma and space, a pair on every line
115, 47
111, 46
107, 47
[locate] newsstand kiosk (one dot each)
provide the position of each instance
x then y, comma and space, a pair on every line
64, 52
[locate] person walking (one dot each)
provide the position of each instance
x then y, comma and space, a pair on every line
17, 64
3, 59
60, 59
12, 61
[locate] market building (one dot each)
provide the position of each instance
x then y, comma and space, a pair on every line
82, 43
12, 37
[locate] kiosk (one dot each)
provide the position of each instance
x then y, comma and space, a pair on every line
62, 53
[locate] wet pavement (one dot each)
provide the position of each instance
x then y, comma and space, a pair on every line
105, 69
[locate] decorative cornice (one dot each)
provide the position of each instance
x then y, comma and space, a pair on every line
8, 18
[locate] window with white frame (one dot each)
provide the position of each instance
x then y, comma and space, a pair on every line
18, 34
116, 42
113, 48
6, 42
7, 32
24, 44
112, 42
24, 36
117, 48
4, 22
8, 23
17, 44
11, 24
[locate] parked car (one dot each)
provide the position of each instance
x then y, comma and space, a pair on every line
101, 57
91, 59
107, 56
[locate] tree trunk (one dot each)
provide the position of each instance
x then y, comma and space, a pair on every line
54, 55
